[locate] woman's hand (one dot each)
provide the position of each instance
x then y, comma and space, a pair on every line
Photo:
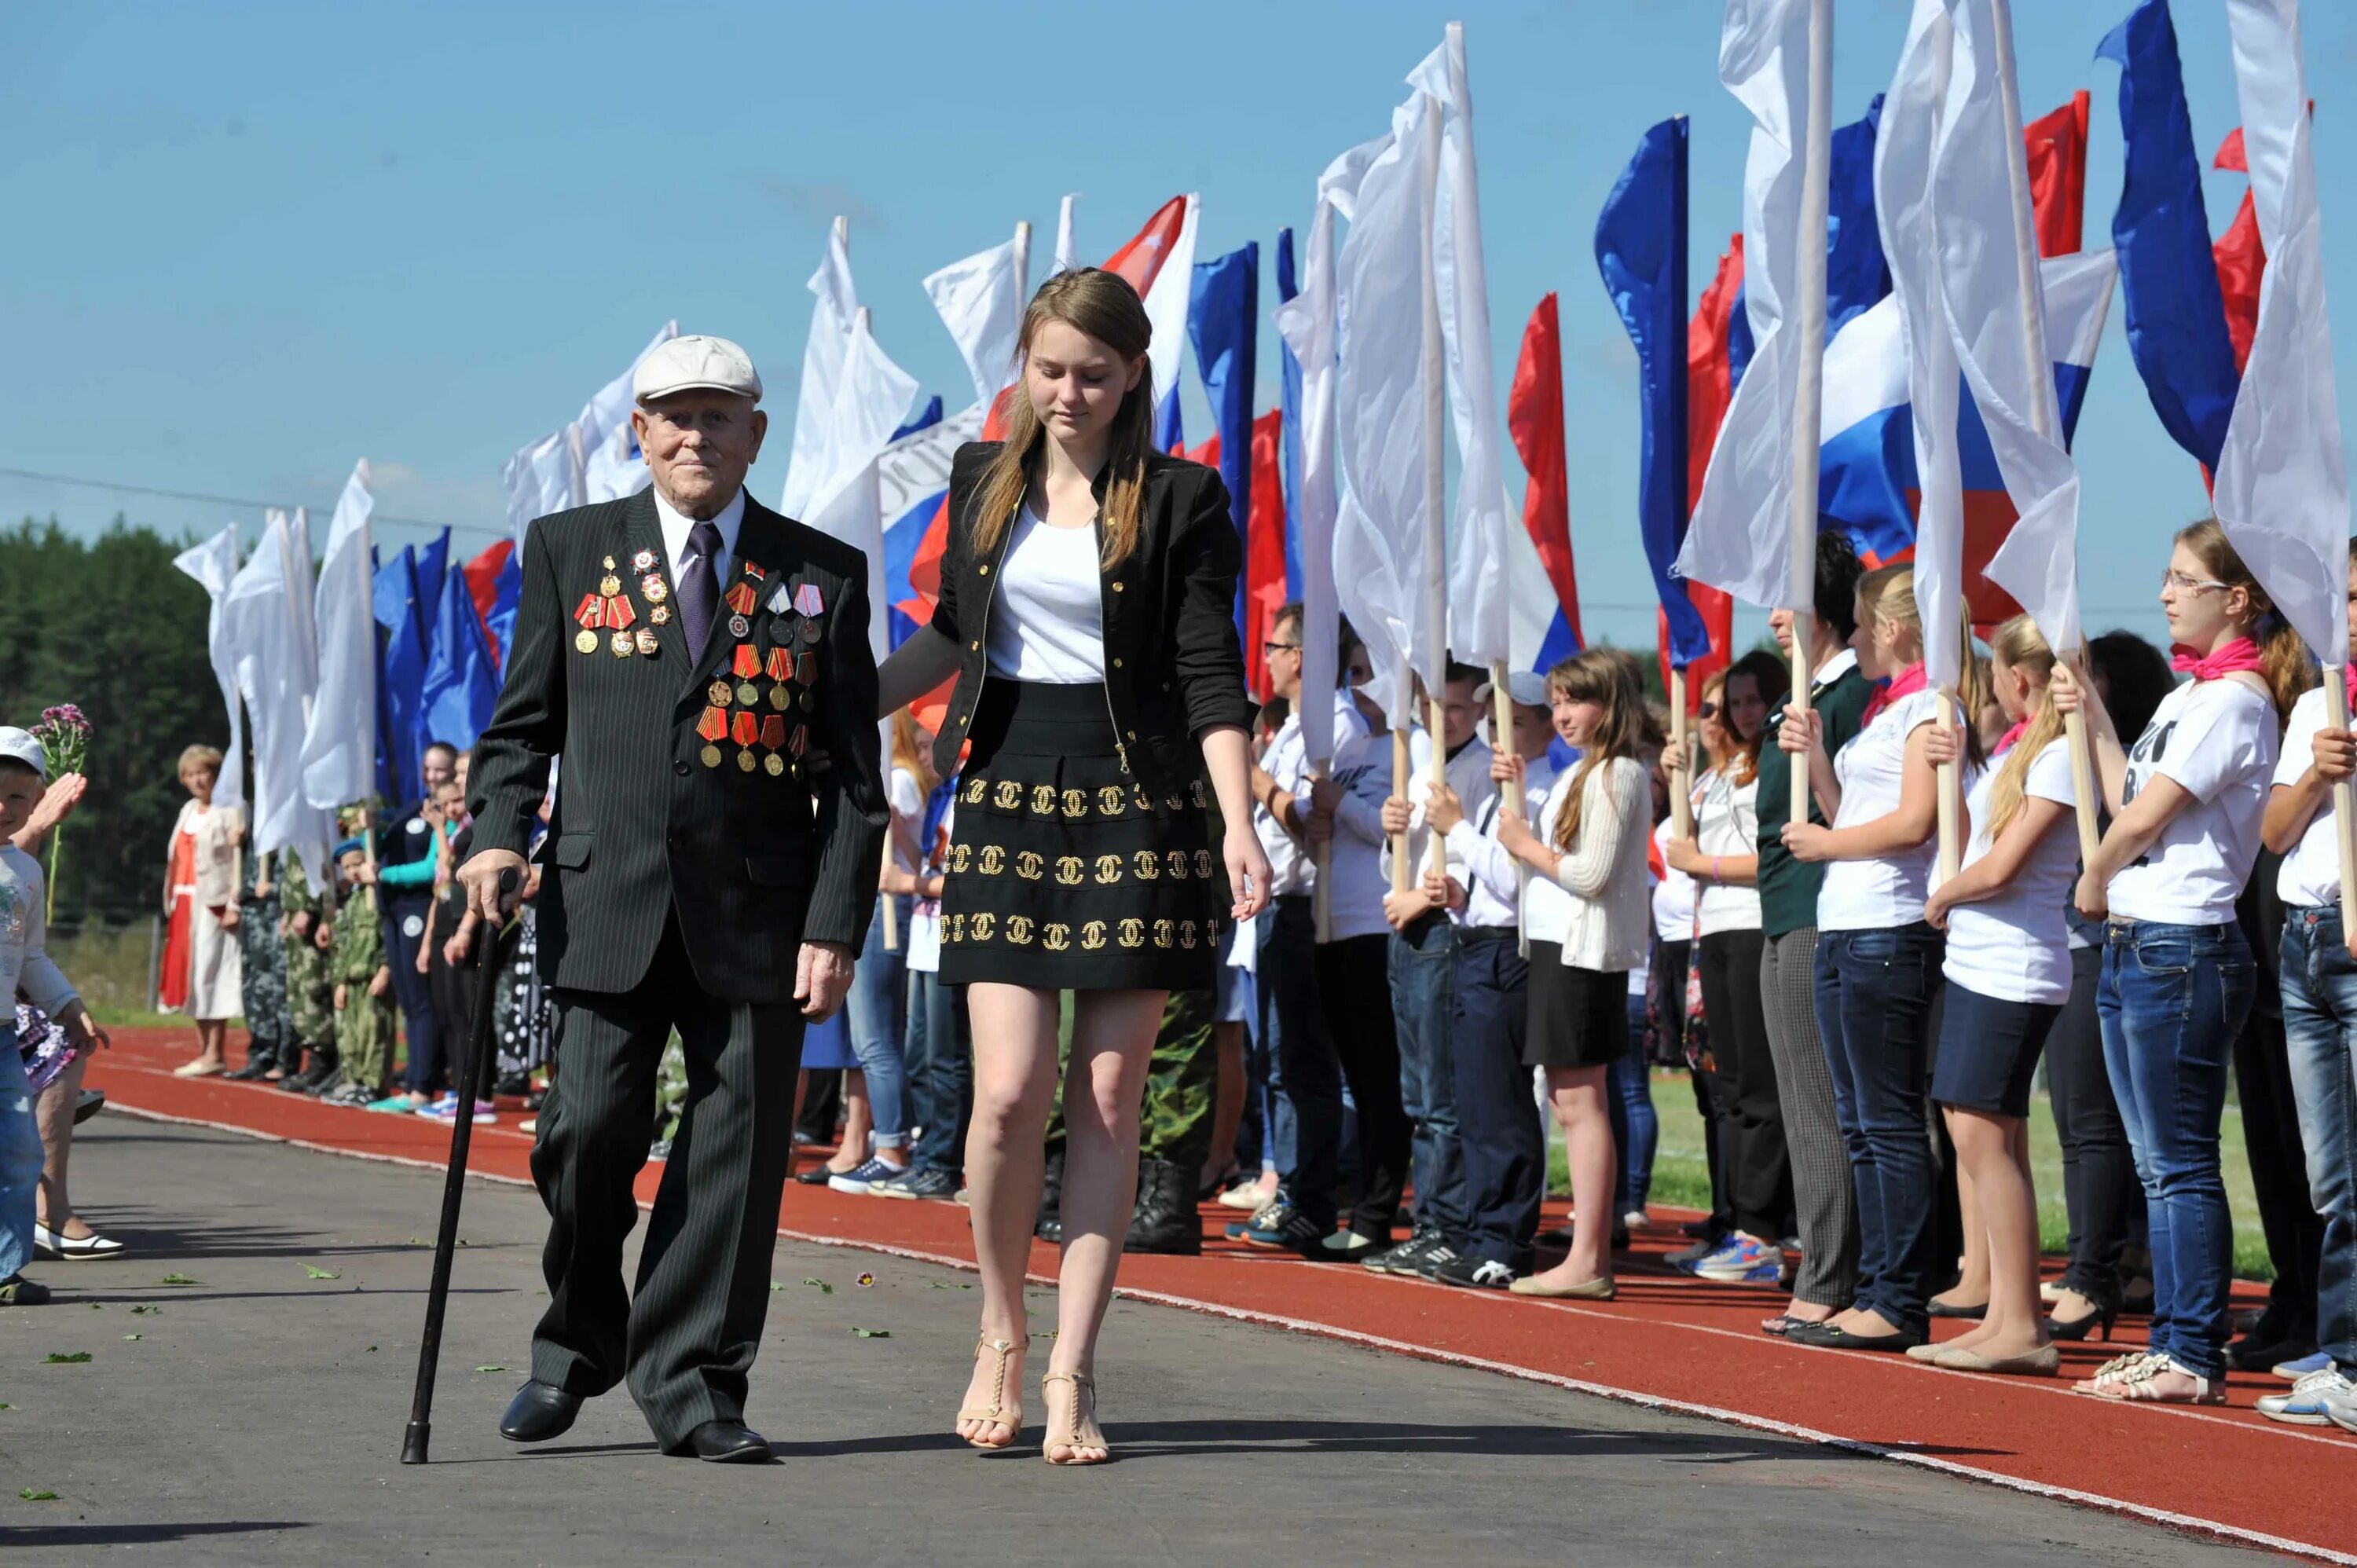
2063, 690
2094, 898
1936, 905
1943, 743
1248, 870
1514, 835
1395, 816
230, 916
1673, 757
1801, 731
1442, 809
1809, 842
1686, 855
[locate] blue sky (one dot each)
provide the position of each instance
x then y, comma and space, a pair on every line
253, 242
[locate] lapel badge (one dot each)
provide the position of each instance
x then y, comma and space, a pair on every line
645, 561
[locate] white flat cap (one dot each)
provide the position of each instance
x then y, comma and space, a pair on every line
693, 364
23, 746
1527, 687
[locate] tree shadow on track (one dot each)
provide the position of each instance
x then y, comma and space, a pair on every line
65, 1535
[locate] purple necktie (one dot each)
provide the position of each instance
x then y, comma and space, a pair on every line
699, 585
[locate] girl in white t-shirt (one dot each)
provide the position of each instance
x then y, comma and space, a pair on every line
1591, 844
2178, 979
1878, 959
2008, 974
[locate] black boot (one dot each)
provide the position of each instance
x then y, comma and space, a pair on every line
261, 1058
1051, 1224
322, 1072
1166, 1219
290, 1067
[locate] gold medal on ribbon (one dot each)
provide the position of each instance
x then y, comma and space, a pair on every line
586, 640
775, 764
711, 756
717, 693
745, 761
623, 646
610, 585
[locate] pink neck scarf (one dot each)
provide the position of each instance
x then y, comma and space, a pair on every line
2236, 656
1906, 684
2004, 742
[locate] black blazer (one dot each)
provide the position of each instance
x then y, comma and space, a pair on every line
752, 864
1173, 667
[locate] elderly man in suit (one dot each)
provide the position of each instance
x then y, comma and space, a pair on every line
684, 649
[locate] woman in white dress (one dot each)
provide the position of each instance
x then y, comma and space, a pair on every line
204, 975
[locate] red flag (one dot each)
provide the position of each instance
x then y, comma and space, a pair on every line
1264, 549
1534, 419
483, 586
1207, 454
2240, 257
1710, 385
2058, 175
1141, 258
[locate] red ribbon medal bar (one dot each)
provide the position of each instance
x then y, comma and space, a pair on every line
745, 729
713, 727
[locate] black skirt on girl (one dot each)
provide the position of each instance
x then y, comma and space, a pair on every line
1063, 872
1577, 1018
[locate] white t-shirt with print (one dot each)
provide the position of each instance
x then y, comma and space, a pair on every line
2015, 946
2217, 740
1888, 890
2311, 871
1727, 823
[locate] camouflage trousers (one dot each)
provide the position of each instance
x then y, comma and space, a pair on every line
364, 1031
310, 995
1182, 1082
263, 951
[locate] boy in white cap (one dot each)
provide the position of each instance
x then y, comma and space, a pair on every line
25, 961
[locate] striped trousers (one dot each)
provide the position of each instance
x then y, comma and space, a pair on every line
1822, 1192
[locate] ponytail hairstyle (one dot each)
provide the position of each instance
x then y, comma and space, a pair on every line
2289, 669
1103, 305
1601, 676
2017, 645
1888, 594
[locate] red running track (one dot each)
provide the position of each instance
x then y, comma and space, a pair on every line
1669, 1341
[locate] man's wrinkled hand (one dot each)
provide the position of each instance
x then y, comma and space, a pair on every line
822, 979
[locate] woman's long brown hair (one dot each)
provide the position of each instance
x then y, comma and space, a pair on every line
2289, 670
1101, 304
907, 752
1596, 676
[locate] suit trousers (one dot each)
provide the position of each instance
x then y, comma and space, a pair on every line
686, 1335
1822, 1193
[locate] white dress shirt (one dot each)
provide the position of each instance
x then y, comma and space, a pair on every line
676, 524
1492, 883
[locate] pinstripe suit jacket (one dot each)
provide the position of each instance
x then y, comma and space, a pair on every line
754, 864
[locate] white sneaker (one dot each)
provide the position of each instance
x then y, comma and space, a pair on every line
2309, 1402
1248, 1196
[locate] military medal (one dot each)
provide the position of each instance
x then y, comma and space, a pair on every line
609, 562
773, 739
780, 600
586, 640
806, 669
643, 561
646, 643
807, 600
746, 665
591, 614
623, 645
780, 670
660, 614
652, 589
711, 728
754, 572
775, 764
744, 730
801, 741
610, 585
810, 631
717, 693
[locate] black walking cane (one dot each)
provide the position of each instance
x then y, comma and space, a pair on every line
419, 1435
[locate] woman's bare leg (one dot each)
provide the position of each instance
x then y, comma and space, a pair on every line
1014, 1080
1576, 1096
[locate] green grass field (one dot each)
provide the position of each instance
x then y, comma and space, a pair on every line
1682, 1177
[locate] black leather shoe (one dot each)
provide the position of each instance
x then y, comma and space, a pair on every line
1826, 1337
538, 1412
725, 1443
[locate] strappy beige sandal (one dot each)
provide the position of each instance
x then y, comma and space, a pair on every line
1070, 1438
998, 1412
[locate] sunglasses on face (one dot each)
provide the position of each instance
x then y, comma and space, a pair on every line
1708, 711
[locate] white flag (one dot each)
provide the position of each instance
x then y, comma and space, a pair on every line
1382, 566
871, 400
214, 564
833, 302
594, 458
1168, 299
1068, 257
266, 624
981, 300
1740, 537
1480, 607
2283, 477
1907, 147
340, 741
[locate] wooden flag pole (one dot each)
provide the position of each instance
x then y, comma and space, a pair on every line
1951, 794
1322, 891
1436, 480
1681, 796
2344, 795
1808, 381
1402, 874
2042, 393
1501, 709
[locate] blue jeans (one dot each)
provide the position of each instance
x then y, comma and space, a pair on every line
1874, 995
1635, 1127
874, 1010
2172, 998
938, 1056
2319, 1015
1264, 1138
1304, 1069
1504, 1139
1422, 968
20, 1155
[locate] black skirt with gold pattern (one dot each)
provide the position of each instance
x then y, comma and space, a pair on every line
1063, 872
